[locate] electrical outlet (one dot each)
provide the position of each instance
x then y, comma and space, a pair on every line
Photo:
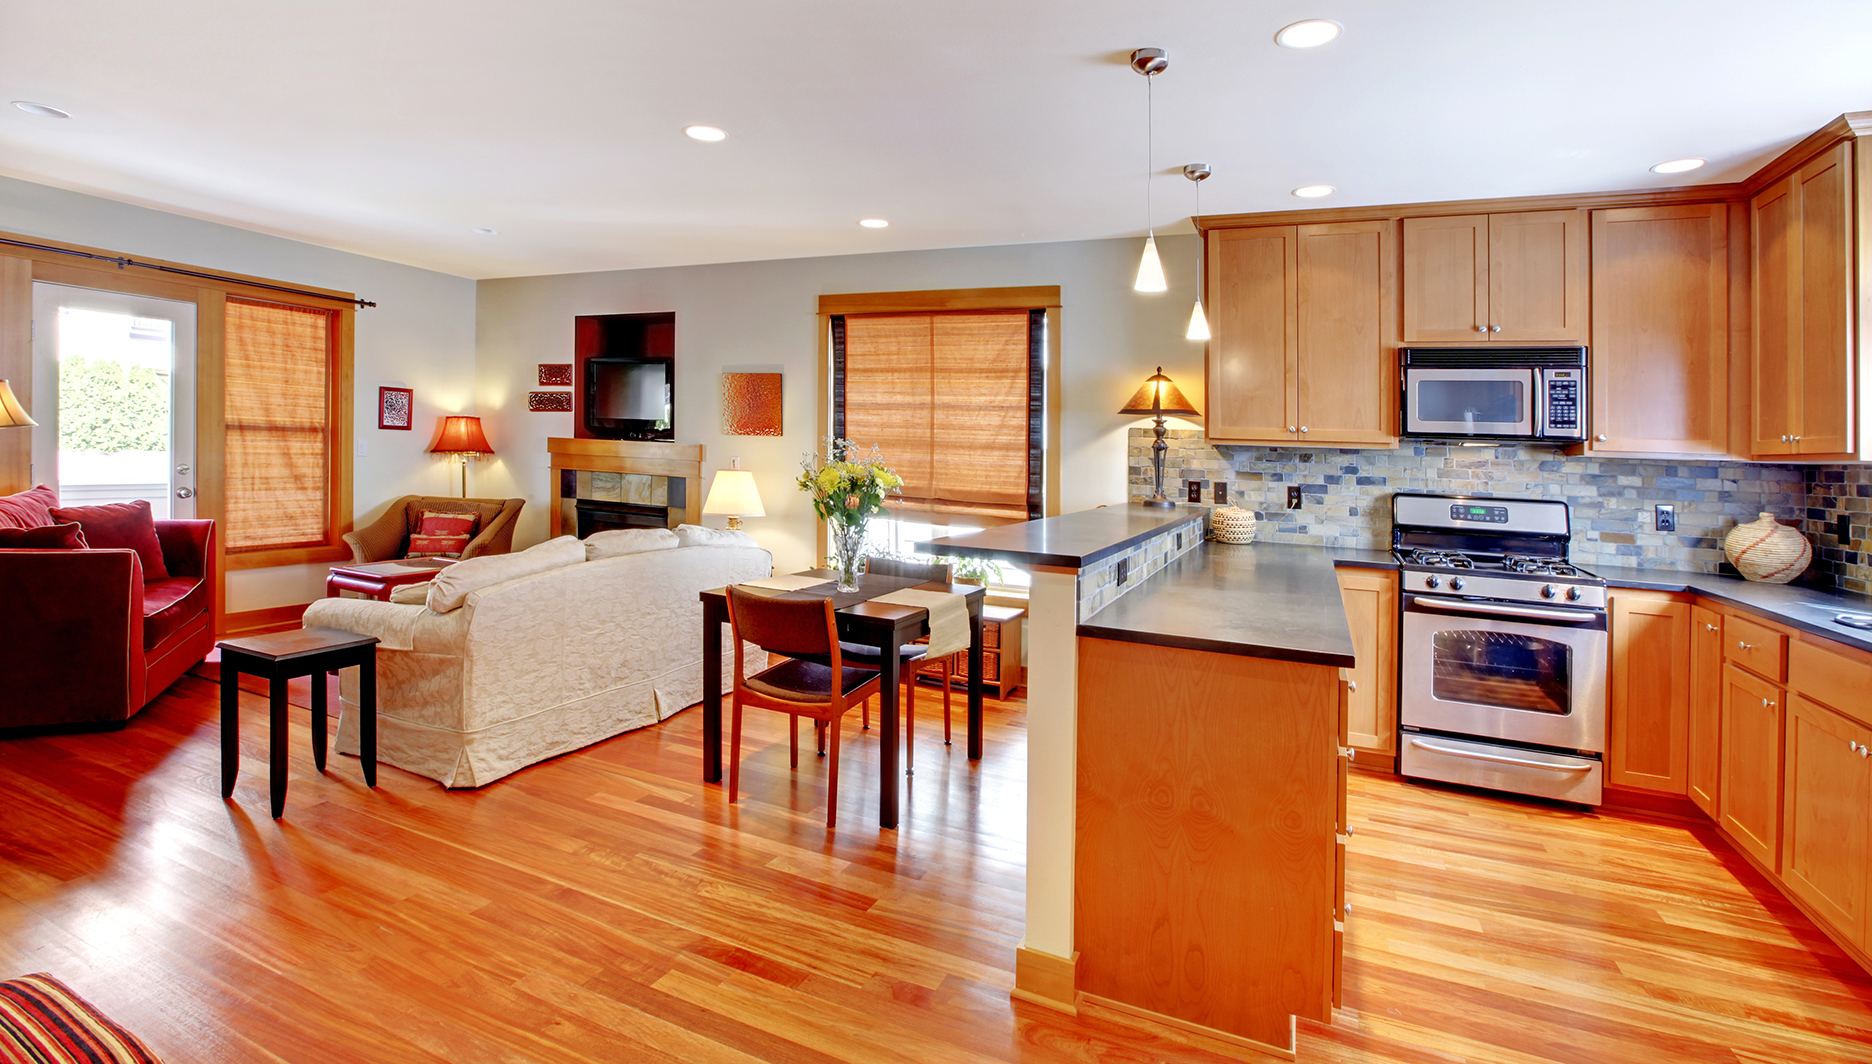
1293, 497
1666, 517
1842, 528
1195, 490
1124, 571
1221, 493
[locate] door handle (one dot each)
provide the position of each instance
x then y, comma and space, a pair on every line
182, 470
1477, 756
185, 493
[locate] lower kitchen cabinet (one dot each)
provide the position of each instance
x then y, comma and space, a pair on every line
1827, 829
1371, 605
1706, 686
1648, 733
1752, 731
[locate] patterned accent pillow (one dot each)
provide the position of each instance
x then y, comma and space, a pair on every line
45, 537
42, 1020
442, 535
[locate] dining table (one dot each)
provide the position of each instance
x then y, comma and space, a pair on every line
883, 625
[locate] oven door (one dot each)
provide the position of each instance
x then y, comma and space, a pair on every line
1468, 402
1520, 674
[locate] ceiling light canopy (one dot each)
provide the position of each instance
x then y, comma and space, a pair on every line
1309, 34
708, 133
40, 109
1677, 166
874, 223
1313, 191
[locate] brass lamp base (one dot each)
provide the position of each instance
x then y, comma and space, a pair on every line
734, 524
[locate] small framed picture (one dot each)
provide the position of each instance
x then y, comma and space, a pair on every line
551, 373
396, 408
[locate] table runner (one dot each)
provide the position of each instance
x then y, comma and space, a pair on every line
948, 618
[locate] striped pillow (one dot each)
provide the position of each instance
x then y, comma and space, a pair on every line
442, 535
43, 1022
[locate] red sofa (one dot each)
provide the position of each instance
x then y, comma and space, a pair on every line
87, 643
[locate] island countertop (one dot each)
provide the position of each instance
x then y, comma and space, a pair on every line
1071, 541
1266, 600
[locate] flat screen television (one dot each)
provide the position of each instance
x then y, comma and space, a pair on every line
630, 399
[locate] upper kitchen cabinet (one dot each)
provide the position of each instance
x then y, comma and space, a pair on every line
1660, 329
1501, 278
1803, 398
1303, 319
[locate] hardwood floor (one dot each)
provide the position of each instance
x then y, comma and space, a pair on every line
606, 906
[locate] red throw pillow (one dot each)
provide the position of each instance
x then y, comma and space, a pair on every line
28, 509
442, 535
126, 525
421, 546
46, 537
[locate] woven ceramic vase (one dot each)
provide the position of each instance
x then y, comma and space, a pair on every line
1767, 550
1232, 525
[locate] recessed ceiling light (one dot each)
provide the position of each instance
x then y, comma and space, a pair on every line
873, 223
1677, 166
40, 109
705, 133
480, 231
1313, 191
1309, 34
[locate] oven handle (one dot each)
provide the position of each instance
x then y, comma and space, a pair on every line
1421, 745
1531, 612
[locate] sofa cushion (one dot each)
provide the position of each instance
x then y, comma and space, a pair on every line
452, 585
697, 536
169, 605
46, 537
28, 509
120, 525
621, 541
43, 1020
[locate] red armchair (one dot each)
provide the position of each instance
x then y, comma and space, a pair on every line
85, 643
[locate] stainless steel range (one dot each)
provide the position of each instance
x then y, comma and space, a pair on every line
1503, 658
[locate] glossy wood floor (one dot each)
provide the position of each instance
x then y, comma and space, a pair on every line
607, 906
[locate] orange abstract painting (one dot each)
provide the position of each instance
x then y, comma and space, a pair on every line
750, 404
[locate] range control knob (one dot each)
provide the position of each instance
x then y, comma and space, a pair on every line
1455, 583
1548, 591
1433, 581
1572, 594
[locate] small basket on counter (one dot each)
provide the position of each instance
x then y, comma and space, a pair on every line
1229, 524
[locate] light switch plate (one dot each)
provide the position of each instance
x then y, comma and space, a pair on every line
1221, 493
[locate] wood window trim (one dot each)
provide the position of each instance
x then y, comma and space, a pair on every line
20, 267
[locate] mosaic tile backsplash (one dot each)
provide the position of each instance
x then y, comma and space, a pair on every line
1346, 496
1098, 583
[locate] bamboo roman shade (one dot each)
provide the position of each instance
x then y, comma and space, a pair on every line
278, 396
954, 402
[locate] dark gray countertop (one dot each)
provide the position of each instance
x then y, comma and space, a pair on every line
1265, 600
1070, 540
1809, 609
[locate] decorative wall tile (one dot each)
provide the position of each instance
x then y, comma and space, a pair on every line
555, 373
1098, 583
1834, 492
549, 402
750, 404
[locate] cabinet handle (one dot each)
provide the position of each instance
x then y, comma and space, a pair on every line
1711, 627
1784, 437
1601, 437
1766, 704
1303, 428
1851, 745
1481, 328
1348, 753
1744, 646
1494, 328
1796, 439
1863, 751
1351, 685
1291, 428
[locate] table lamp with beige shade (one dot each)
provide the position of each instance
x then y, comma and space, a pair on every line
12, 414
462, 435
732, 494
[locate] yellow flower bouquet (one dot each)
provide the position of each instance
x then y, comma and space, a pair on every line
847, 490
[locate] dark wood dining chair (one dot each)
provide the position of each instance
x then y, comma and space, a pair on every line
801, 630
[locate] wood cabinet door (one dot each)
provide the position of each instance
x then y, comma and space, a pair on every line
1371, 605
1253, 300
1537, 276
1774, 364
1446, 281
1660, 329
1346, 369
1706, 681
1751, 764
1827, 825
1825, 389
1648, 745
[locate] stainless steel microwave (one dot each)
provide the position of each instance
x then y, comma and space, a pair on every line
1506, 393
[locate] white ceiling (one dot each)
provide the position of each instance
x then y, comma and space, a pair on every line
394, 127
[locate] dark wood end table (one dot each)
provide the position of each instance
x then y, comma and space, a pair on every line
282, 656
378, 579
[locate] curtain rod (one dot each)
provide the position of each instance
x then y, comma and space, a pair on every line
123, 262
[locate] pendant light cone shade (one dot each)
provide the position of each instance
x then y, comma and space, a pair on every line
732, 494
11, 412
461, 434
1199, 323
1150, 275
1159, 395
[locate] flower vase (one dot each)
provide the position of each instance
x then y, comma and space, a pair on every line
848, 553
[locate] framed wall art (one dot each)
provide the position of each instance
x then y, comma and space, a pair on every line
555, 373
396, 408
549, 402
750, 404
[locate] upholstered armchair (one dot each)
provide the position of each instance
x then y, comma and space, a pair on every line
387, 538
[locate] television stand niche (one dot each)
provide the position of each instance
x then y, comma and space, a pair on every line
681, 463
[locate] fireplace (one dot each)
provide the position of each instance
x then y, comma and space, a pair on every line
595, 515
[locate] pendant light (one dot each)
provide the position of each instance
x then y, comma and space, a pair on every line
1150, 276
1199, 322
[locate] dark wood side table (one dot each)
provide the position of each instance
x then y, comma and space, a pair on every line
282, 656
378, 579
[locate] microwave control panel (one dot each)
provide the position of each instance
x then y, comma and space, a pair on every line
1564, 403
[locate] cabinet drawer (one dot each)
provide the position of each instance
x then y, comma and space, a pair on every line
1833, 680
1757, 648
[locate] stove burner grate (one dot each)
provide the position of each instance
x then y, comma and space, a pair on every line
1440, 559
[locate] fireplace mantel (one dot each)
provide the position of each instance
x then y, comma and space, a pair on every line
678, 461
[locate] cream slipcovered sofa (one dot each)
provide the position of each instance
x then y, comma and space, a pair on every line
506, 660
